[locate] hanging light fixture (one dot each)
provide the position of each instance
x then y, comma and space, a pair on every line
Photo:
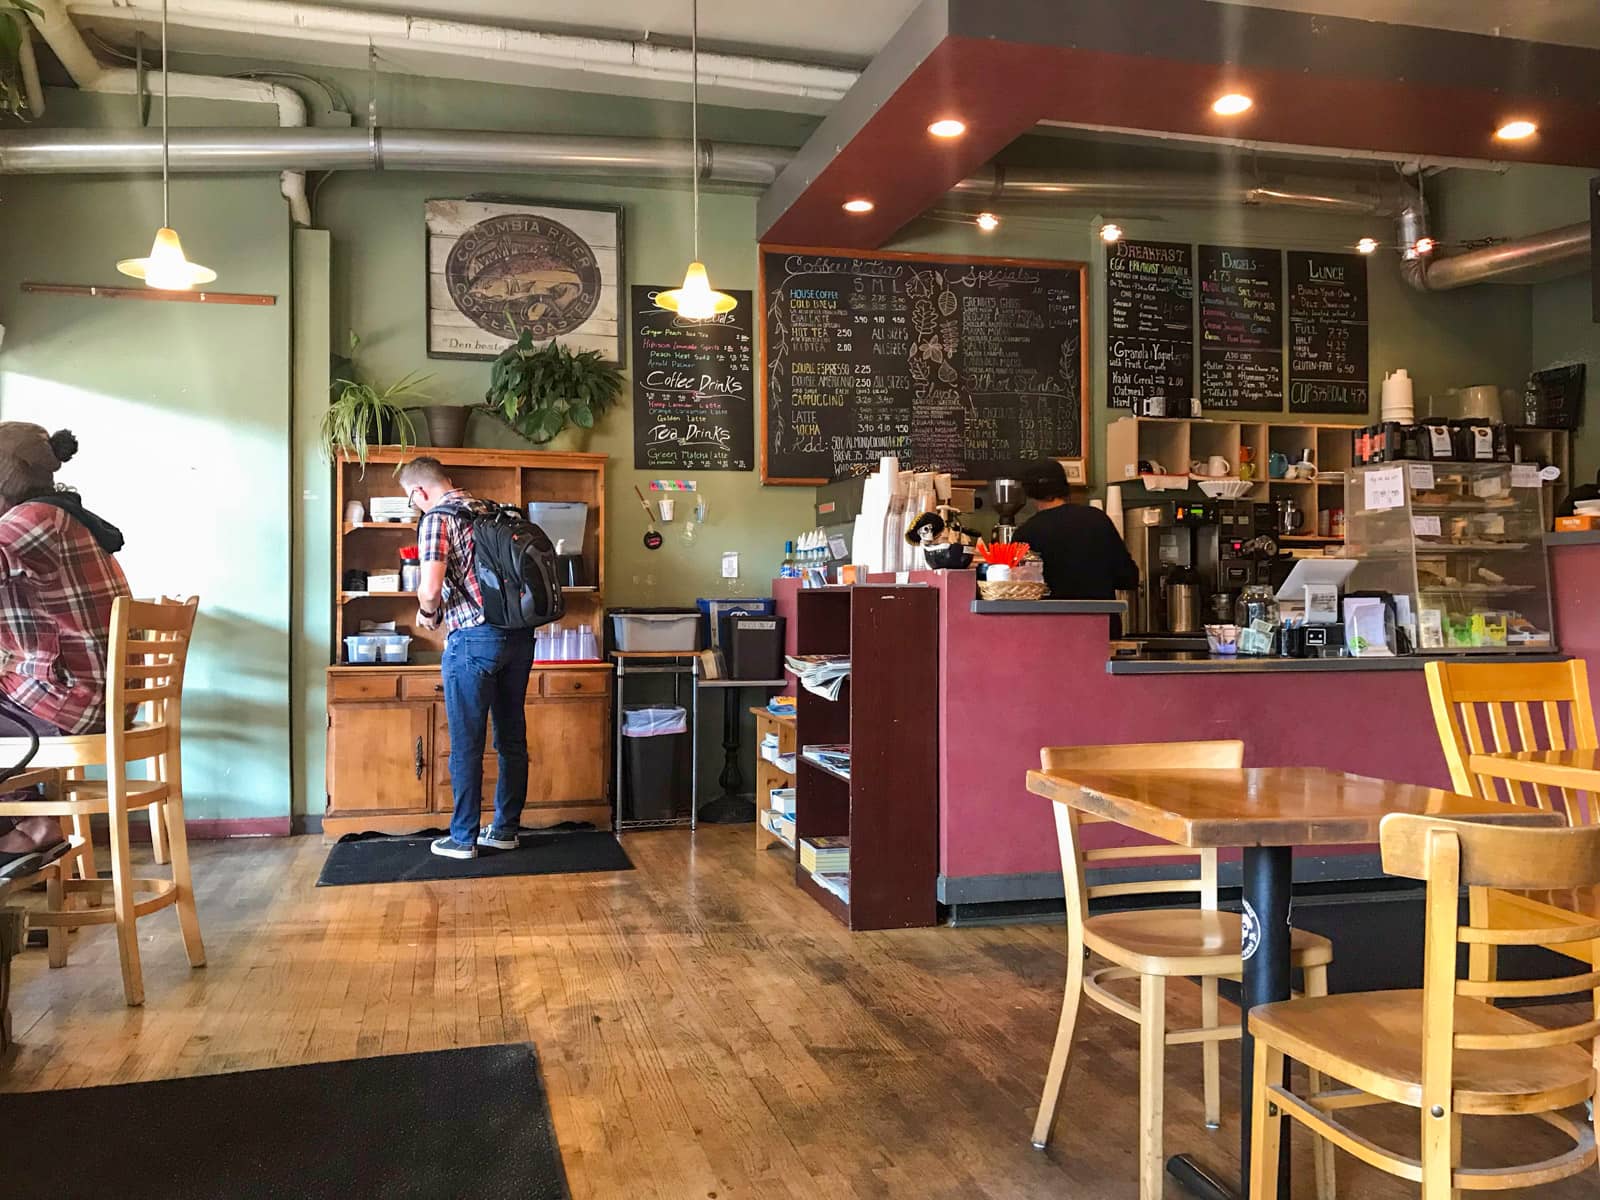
696, 299
165, 267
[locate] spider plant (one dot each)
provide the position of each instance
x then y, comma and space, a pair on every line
360, 416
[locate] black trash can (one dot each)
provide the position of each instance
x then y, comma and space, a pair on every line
655, 763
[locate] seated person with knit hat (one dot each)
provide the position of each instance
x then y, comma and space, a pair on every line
57, 583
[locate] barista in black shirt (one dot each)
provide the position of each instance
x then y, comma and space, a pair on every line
1084, 557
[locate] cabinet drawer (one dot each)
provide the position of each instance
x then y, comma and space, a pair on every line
421, 687
574, 683
363, 687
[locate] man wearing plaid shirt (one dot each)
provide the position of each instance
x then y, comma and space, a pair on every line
485, 668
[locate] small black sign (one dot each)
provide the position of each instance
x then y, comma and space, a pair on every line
1328, 366
1241, 328
1149, 323
693, 387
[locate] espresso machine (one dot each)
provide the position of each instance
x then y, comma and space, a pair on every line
1194, 557
1009, 497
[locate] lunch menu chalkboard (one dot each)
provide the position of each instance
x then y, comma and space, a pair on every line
693, 387
959, 365
1327, 332
1241, 328
1149, 322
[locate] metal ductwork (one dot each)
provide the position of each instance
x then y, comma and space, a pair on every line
1550, 253
97, 151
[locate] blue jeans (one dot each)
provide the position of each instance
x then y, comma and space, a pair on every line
486, 671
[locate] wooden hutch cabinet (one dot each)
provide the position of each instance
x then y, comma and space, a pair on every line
388, 763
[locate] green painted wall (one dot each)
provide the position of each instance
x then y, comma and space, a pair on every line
226, 400
183, 415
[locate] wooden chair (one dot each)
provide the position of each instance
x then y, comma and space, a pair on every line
148, 653
1549, 710
1445, 1051
1153, 945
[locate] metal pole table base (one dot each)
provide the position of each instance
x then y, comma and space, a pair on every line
1268, 877
730, 808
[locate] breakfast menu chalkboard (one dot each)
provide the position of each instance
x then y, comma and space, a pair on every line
693, 387
1327, 332
1241, 328
960, 365
1149, 322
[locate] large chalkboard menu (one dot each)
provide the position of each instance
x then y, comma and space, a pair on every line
1149, 323
963, 366
1327, 332
1241, 328
693, 387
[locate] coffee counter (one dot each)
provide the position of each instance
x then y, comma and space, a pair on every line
1201, 663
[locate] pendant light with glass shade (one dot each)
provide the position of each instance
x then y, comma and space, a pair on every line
695, 300
165, 267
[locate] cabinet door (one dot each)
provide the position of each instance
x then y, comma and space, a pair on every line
568, 751
378, 757
443, 796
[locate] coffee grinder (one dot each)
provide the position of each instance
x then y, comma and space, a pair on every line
1009, 499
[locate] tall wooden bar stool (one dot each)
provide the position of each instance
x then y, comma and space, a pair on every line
148, 653
1154, 945
1445, 1051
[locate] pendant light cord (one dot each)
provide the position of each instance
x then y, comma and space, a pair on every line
694, 114
166, 93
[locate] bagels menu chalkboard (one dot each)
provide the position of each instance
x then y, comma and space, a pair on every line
1241, 328
1327, 332
963, 366
1149, 322
693, 387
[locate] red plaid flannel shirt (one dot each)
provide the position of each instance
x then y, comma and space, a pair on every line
447, 538
56, 589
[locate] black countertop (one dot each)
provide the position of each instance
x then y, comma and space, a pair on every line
1036, 607
1207, 664
1578, 537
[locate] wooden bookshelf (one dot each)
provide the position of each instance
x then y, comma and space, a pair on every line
769, 775
889, 806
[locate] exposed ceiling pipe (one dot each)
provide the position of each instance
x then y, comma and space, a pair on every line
96, 151
1549, 253
327, 24
62, 36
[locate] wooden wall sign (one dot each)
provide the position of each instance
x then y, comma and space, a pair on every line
497, 265
964, 365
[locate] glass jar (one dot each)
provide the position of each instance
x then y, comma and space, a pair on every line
1256, 604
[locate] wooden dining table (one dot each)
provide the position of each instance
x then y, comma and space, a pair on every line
1266, 812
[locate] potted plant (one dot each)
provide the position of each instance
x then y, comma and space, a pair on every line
539, 390
360, 416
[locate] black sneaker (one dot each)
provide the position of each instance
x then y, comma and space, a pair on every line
14, 865
496, 838
448, 847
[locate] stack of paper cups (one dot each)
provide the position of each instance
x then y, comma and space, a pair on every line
1114, 504
1397, 401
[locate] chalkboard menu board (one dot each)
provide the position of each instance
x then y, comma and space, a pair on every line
1149, 322
1241, 328
693, 387
963, 366
1327, 333
1553, 398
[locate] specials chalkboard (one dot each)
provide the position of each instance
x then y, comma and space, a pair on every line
1149, 322
1241, 328
693, 387
959, 365
1328, 333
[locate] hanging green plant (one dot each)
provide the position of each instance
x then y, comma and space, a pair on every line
539, 390
14, 27
360, 416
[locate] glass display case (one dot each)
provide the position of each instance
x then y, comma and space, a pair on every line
1461, 548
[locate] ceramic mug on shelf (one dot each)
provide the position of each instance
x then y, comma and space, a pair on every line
1278, 465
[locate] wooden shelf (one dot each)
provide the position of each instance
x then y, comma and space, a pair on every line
349, 527
823, 767
346, 597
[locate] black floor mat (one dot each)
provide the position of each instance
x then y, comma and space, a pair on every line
374, 858
469, 1122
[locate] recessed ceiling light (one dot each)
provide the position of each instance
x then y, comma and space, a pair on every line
949, 127
1515, 131
1231, 105
1423, 245
988, 222
1110, 233
858, 206
1366, 245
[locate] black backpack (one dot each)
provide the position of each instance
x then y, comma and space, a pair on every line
515, 565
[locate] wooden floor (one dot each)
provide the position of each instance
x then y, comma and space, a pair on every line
706, 1031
